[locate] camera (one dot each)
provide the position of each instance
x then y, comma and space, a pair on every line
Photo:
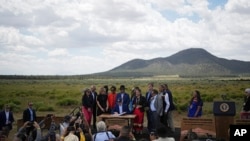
30, 123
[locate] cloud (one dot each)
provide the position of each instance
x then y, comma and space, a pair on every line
76, 37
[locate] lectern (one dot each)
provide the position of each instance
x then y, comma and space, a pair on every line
224, 112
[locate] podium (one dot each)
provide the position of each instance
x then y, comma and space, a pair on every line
224, 112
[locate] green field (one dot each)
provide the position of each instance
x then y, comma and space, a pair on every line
61, 96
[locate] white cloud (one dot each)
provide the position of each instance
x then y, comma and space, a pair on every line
76, 37
58, 52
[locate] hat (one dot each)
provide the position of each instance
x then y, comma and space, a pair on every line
247, 90
122, 87
112, 88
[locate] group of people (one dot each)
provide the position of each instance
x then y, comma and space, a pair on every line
156, 103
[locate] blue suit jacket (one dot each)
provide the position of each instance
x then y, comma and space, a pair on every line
124, 109
3, 119
125, 98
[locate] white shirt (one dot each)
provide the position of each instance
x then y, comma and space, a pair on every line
31, 114
7, 117
63, 127
120, 109
166, 98
152, 103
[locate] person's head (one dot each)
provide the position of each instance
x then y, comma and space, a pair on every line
93, 88
197, 94
161, 88
137, 91
87, 91
102, 90
133, 90
166, 86
122, 88
30, 104
71, 129
106, 87
7, 107
101, 126
88, 137
125, 131
247, 91
162, 131
67, 119
113, 89
20, 137
150, 86
154, 92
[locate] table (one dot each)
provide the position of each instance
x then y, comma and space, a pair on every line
122, 120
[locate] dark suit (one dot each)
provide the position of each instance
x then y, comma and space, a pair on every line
94, 95
27, 115
148, 96
3, 120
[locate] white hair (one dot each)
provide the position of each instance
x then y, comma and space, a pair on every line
247, 90
101, 126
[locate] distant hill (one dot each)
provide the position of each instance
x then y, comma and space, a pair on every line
189, 62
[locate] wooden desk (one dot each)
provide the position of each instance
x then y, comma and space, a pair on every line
122, 120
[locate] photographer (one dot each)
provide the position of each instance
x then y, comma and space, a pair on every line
79, 131
35, 133
65, 124
69, 134
51, 135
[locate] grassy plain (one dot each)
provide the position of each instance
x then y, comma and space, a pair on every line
61, 96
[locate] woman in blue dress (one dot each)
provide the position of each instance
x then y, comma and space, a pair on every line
195, 105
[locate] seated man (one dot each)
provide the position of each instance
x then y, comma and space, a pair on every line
120, 108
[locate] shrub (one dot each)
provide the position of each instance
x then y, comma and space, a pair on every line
46, 108
208, 98
16, 102
67, 102
182, 107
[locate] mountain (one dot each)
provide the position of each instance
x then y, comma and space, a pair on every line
189, 62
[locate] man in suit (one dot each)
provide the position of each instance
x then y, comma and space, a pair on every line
148, 97
156, 110
6, 120
123, 96
120, 108
29, 114
94, 94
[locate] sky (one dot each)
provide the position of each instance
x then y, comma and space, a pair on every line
74, 37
